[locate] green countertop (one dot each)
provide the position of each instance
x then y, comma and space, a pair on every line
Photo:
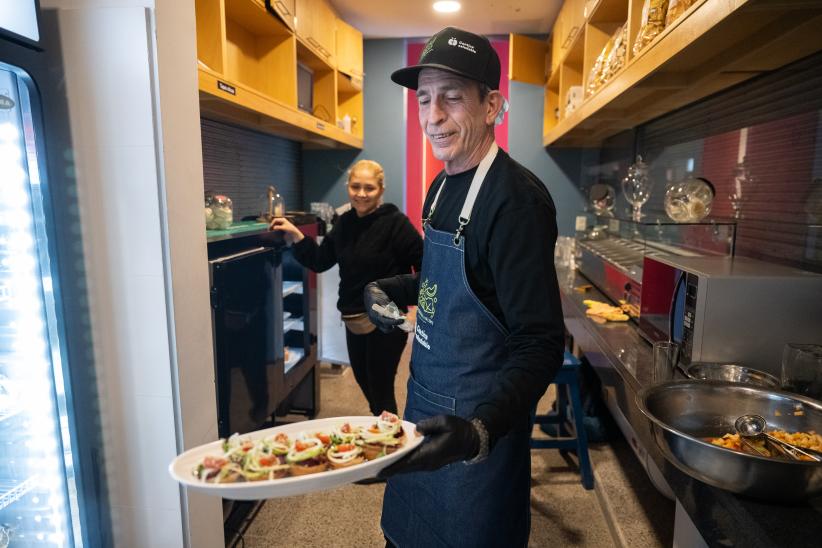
237, 228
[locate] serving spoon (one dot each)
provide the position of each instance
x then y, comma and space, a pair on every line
753, 426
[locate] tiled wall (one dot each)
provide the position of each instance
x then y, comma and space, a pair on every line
241, 164
761, 140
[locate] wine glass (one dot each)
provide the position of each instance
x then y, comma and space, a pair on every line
743, 180
637, 187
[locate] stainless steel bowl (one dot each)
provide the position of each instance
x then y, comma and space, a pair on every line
684, 414
731, 372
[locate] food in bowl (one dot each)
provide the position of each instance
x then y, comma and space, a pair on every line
307, 453
805, 440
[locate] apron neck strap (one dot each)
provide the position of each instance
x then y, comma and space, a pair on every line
473, 192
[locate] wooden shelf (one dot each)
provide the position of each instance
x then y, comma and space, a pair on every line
712, 46
227, 101
248, 58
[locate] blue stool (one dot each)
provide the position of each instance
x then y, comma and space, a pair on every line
568, 378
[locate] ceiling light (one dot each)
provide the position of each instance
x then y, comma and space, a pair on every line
447, 6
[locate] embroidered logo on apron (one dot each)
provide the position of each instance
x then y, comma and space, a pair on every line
427, 300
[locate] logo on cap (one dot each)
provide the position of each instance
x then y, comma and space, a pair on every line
452, 41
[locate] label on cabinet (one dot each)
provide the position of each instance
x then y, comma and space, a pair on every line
222, 86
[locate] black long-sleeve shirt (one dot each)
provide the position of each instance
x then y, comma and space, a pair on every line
509, 259
381, 244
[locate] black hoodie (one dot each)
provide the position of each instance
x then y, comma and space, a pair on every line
381, 244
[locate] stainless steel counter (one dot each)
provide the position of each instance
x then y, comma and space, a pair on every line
623, 361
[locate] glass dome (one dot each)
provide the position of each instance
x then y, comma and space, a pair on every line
689, 200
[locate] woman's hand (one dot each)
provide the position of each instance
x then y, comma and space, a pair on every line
290, 232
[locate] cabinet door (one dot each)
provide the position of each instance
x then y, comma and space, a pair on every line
303, 18
285, 9
557, 51
325, 30
349, 49
575, 19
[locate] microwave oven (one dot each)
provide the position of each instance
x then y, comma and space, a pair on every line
730, 309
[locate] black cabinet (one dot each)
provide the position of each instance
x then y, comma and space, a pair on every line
263, 306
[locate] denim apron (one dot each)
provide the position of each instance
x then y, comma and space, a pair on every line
459, 347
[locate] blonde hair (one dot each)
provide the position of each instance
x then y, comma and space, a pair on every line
372, 166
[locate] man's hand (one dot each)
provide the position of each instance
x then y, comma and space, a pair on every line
373, 294
450, 439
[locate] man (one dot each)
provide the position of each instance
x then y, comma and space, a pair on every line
489, 335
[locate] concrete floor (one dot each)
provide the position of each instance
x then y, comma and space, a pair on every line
622, 510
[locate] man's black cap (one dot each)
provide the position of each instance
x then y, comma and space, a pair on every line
458, 51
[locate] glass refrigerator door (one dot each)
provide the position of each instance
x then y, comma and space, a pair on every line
38, 505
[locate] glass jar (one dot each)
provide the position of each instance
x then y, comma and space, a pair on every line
690, 200
277, 205
219, 211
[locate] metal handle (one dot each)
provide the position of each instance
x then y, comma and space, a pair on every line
790, 449
281, 8
571, 35
226, 258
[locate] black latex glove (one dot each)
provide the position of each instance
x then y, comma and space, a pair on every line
449, 439
373, 294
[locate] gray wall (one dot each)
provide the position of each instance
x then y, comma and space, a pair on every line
559, 169
324, 172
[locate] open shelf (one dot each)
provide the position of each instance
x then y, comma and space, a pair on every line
295, 354
248, 59
12, 491
293, 324
350, 102
713, 45
292, 288
258, 45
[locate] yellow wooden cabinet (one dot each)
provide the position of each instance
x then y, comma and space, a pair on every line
316, 24
248, 57
349, 49
566, 29
713, 45
526, 59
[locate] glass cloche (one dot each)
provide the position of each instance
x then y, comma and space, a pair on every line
602, 198
690, 200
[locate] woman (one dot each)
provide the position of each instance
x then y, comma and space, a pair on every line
370, 241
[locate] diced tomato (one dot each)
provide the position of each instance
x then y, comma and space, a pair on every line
247, 446
345, 447
325, 438
214, 462
268, 461
300, 446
